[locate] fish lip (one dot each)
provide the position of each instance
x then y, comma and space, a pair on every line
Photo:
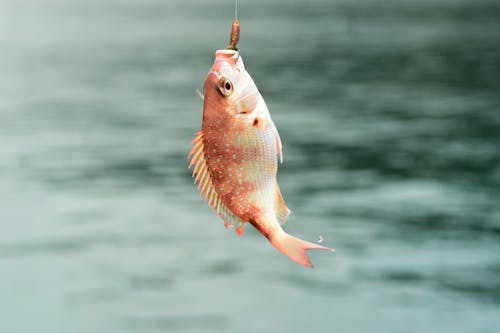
228, 55
227, 52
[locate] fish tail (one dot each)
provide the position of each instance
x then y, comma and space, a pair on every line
295, 248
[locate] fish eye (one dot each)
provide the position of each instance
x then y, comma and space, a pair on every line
225, 86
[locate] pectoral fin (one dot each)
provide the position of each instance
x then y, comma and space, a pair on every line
279, 147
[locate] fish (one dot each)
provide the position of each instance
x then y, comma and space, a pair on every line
235, 155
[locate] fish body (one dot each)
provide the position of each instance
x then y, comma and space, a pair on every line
235, 156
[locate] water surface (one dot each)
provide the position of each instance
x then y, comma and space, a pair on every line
389, 115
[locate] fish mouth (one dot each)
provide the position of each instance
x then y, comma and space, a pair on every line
230, 56
229, 64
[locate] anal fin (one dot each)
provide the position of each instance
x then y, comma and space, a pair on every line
280, 207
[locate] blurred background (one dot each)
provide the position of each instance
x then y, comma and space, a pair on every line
389, 113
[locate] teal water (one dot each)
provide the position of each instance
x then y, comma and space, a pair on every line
389, 115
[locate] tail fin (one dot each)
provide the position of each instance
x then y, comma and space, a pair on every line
295, 248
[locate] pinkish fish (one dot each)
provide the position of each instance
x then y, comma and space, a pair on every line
235, 155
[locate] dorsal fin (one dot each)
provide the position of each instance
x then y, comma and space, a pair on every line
203, 178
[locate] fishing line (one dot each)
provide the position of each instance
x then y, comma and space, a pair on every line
235, 30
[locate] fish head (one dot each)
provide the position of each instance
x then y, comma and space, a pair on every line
229, 90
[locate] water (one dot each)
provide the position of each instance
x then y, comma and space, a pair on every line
390, 119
